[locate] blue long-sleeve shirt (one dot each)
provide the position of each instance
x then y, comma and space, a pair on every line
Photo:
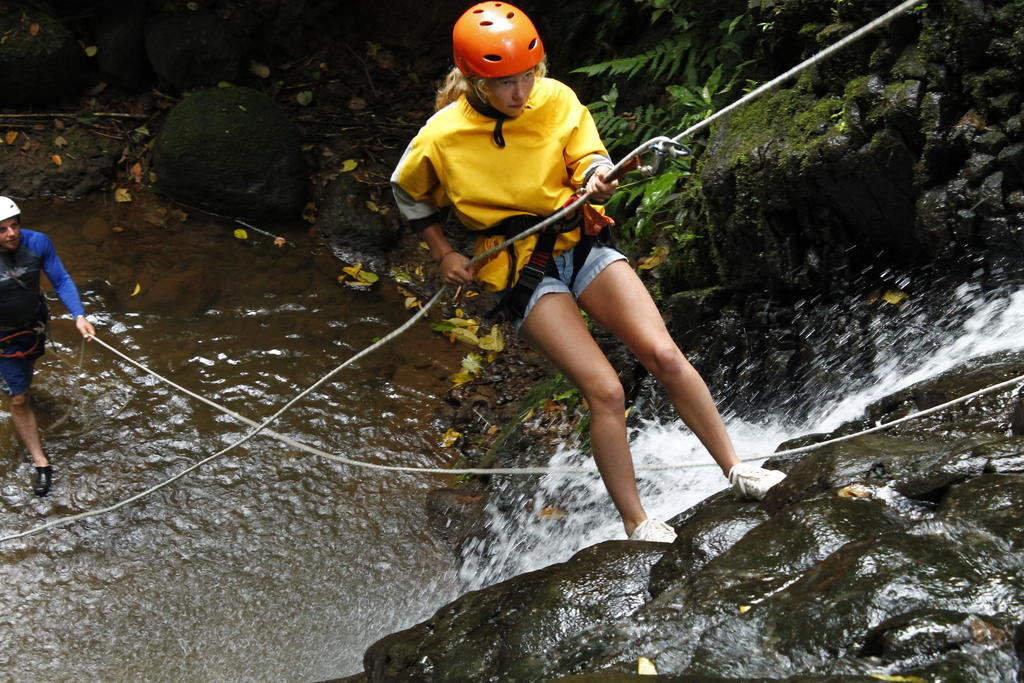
19, 280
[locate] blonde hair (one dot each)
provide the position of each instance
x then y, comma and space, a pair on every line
474, 87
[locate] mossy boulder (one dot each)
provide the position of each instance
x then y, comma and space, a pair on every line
41, 62
231, 151
796, 195
192, 50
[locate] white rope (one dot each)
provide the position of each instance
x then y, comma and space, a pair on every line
907, 418
262, 427
558, 215
662, 140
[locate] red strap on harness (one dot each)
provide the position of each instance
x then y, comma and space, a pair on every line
20, 354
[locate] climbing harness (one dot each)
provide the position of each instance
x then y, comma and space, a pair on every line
662, 148
594, 227
12, 345
20, 353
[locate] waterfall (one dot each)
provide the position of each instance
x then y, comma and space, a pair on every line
534, 525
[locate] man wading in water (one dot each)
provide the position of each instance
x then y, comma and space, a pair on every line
507, 147
23, 316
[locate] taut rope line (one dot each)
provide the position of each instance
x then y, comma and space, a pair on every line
262, 426
616, 171
662, 141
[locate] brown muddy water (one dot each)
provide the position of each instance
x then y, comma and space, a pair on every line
267, 563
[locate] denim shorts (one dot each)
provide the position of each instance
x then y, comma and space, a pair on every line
600, 257
16, 373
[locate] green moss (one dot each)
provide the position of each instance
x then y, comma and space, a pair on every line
798, 120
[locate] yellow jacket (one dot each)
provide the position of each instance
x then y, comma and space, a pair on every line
454, 161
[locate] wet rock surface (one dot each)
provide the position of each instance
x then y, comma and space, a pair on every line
897, 553
904, 151
41, 61
231, 151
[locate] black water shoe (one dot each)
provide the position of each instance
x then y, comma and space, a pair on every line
44, 475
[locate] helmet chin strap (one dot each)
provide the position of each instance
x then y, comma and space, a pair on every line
487, 109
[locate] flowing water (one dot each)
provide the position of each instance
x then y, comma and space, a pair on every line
267, 563
535, 526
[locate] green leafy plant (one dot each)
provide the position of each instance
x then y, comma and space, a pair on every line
691, 65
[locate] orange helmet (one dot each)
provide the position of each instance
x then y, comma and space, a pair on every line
495, 39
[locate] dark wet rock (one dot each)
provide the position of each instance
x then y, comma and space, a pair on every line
231, 151
505, 632
96, 230
457, 514
706, 531
192, 50
906, 636
354, 234
895, 554
1017, 414
119, 30
87, 164
41, 62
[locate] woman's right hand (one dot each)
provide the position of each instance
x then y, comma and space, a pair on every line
454, 270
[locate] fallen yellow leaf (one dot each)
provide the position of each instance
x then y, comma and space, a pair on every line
460, 378
463, 334
240, 234
122, 195
138, 288
412, 302
657, 257
348, 165
645, 667
744, 609
11, 136
855, 491
91, 51
257, 69
493, 340
552, 513
472, 363
468, 323
894, 297
360, 276
905, 679
449, 438
57, 161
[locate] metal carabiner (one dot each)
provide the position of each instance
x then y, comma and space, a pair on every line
663, 149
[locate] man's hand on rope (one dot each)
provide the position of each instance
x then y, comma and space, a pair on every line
85, 327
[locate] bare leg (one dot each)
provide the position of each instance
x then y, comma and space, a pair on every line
556, 328
24, 418
618, 300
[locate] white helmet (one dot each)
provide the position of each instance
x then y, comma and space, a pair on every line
8, 209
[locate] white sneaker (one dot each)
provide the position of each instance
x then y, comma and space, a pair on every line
750, 481
653, 530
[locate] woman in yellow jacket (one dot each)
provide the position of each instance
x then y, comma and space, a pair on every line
508, 145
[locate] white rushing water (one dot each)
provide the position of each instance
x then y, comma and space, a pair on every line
570, 512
